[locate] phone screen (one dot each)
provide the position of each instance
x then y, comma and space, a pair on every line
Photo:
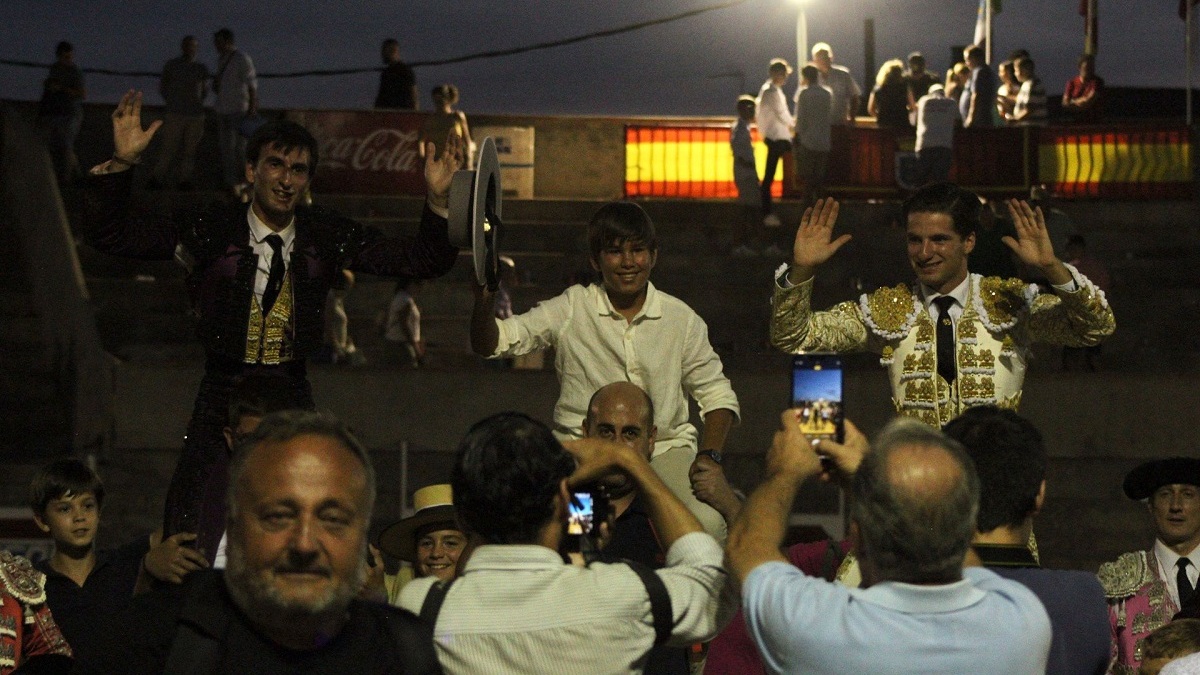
582, 513
817, 394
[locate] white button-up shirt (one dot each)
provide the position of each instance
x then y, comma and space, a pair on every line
258, 241
772, 117
664, 350
519, 609
1167, 571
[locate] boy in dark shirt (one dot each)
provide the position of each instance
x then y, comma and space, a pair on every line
85, 586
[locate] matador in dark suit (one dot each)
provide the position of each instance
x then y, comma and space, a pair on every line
257, 279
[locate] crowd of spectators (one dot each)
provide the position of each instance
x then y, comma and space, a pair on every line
269, 567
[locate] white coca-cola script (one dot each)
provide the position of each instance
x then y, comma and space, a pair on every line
384, 150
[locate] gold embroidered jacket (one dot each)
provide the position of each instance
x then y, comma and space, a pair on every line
1138, 603
1002, 317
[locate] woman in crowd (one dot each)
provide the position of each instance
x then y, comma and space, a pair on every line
1006, 95
956, 80
890, 99
444, 120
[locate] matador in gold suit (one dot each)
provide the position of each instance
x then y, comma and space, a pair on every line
994, 320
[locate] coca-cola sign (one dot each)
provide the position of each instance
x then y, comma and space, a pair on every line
365, 152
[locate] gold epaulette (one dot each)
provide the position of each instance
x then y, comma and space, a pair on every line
891, 311
1002, 301
21, 580
1123, 577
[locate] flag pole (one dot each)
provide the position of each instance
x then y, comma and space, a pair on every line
1187, 45
987, 30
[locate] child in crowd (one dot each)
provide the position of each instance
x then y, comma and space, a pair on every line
745, 178
86, 587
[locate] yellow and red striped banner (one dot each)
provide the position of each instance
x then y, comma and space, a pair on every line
686, 161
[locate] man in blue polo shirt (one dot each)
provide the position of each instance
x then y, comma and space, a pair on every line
914, 498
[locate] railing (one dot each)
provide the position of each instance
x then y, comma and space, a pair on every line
33, 208
1114, 161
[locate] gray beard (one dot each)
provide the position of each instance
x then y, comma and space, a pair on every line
259, 600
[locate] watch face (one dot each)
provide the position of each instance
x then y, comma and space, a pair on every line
711, 454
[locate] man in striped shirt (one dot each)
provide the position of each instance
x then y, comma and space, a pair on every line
1030, 108
517, 607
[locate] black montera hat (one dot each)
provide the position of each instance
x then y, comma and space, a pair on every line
1146, 478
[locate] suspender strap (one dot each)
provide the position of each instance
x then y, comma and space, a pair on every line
433, 602
660, 601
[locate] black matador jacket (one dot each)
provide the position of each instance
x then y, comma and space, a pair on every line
214, 244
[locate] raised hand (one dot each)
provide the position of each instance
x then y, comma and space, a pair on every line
129, 138
814, 242
1032, 244
439, 170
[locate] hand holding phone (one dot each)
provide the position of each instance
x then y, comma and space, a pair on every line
817, 395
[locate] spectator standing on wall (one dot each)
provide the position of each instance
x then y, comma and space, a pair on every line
1082, 99
917, 78
444, 121
60, 111
775, 125
978, 102
1030, 107
397, 82
236, 87
1006, 95
814, 114
846, 92
183, 86
745, 178
889, 102
937, 116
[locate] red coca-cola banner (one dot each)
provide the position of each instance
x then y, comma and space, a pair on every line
366, 151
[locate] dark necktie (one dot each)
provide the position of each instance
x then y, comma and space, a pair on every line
275, 280
945, 338
1181, 580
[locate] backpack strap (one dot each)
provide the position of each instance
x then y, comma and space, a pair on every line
660, 601
432, 606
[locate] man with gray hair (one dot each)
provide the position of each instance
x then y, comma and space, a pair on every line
914, 500
300, 499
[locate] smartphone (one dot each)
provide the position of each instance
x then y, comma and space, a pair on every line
817, 394
581, 516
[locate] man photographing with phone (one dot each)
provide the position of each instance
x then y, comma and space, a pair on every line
954, 339
915, 495
517, 607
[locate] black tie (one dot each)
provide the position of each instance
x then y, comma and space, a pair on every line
945, 338
275, 280
1181, 580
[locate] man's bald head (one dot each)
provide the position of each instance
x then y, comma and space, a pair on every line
621, 394
915, 500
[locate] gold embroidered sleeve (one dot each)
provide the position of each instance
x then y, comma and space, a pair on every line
1078, 319
796, 328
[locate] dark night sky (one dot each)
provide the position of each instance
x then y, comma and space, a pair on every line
673, 69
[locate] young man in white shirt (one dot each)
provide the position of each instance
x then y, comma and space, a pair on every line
775, 125
625, 329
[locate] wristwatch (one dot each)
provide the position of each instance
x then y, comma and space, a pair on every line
714, 455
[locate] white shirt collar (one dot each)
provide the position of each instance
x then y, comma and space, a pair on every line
259, 230
1167, 558
651, 307
959, 293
